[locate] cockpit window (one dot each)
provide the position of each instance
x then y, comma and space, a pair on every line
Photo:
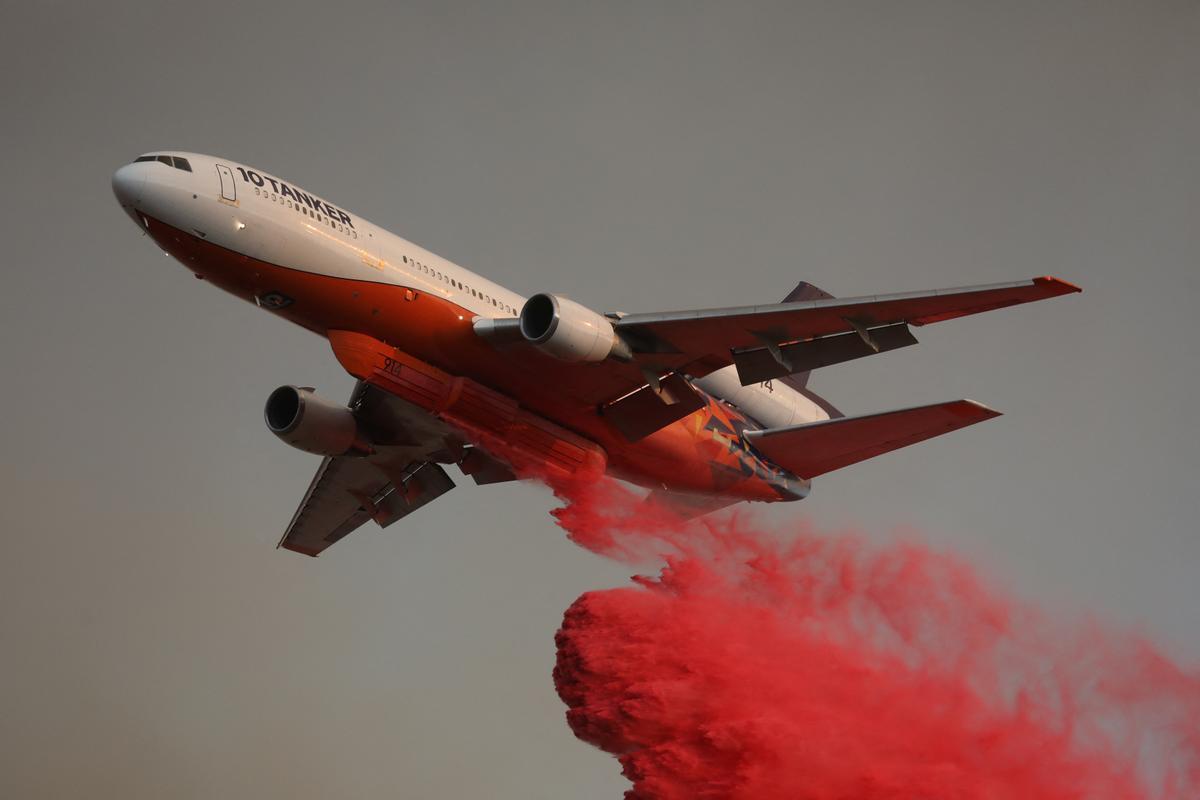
170, 161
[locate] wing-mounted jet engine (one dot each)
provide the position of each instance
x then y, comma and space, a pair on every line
380, 462
560, 327
308, 422
568, 331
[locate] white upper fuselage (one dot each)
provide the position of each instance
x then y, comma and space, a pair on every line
251, 212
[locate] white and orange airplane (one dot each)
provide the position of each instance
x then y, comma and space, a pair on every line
705, 408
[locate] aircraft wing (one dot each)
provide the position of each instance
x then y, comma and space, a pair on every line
646, 391
348, 491
399, 478
710, 338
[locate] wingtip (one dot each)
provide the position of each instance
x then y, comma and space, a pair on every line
304, 551
1058, 284
973, 408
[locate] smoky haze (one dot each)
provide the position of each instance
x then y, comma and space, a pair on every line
638, 158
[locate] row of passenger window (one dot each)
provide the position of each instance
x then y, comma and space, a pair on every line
428, 270
300, 208
170, 161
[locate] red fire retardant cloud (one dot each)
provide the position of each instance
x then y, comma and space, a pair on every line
757, 666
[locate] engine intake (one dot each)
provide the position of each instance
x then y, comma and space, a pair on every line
311, 423
562, 328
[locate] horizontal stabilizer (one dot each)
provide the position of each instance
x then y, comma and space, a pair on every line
819, 447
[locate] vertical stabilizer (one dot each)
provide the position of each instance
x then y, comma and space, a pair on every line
803, 292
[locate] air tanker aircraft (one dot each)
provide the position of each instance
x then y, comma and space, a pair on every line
705, 408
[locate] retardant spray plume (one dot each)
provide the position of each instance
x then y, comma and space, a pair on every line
757, 666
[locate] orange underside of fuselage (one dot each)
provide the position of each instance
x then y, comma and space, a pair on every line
701, 453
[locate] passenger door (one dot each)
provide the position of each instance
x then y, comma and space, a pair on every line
228, 187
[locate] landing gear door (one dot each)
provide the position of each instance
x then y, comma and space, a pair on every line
228, 187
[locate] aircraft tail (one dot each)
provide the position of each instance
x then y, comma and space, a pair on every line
799, 380
819, 447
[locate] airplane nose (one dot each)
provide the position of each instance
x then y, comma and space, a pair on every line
127, 184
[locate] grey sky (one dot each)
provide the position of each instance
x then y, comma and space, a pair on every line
637, 157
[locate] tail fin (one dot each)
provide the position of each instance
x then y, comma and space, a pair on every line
799, 380
819, 447
806, 291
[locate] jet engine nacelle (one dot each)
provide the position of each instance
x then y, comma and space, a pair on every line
311, 423
566, 330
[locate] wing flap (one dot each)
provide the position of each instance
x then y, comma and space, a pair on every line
643, 411
348, 491
816, 448
763, 363
338, 501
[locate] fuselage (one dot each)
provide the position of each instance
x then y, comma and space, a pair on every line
300, 257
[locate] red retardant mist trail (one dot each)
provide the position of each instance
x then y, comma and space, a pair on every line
758, 666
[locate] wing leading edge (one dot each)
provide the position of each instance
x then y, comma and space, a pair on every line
713, 338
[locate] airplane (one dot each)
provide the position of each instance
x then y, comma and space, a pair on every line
705, 408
